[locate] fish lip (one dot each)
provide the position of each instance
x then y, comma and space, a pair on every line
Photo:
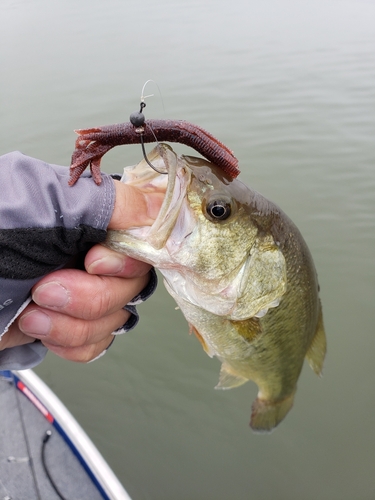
178, 180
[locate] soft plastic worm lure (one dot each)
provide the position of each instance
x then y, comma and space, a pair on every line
93, 143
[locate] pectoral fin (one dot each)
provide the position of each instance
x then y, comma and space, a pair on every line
228, 379
317, 350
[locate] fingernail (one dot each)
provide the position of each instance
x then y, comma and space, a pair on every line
35, 323
110, 264
51, 294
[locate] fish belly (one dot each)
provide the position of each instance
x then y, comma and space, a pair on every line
258, 350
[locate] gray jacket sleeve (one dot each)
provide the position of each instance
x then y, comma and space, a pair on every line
44, 223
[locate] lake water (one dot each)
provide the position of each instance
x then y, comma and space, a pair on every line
290, 87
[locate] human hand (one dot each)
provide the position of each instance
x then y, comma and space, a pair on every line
74, 312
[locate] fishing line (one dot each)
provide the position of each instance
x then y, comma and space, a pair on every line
143, 97
45, 440
137, 119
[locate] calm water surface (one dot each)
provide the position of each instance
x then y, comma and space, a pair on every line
290, 87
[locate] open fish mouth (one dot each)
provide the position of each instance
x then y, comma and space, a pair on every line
174, 186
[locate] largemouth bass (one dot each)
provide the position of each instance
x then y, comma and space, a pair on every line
240, 272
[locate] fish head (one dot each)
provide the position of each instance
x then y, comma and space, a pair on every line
211, 239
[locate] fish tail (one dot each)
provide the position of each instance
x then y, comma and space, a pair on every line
267, 414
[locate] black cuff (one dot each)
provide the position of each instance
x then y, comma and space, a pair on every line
138, 299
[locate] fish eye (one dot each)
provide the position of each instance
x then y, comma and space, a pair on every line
219, 209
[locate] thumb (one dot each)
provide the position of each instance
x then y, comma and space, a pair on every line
134, 207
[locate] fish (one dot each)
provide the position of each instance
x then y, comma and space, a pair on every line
240, 272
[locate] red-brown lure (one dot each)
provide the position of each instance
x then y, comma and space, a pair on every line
93, 143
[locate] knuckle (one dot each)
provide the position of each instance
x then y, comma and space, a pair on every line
89, 353
76, 336
82, 335
99, 305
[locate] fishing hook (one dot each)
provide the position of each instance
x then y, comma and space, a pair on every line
137, 119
